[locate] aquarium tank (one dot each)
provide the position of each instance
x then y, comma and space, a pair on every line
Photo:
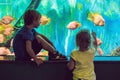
63, 12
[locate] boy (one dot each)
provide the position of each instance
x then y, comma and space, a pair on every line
27, 43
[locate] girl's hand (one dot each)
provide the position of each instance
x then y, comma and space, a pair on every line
38, 61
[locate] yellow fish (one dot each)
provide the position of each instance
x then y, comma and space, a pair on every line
6, 29
7, 20
2, 29
96, 18
44, 20
73, 25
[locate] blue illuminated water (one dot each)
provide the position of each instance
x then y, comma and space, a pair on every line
61, 12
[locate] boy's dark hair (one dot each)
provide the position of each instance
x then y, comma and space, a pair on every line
30, 16
83, 39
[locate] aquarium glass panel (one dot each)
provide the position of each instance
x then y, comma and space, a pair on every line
100, 16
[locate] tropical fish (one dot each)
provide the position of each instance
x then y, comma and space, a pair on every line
4, 51
1, 29
7, 20
2, 38
5, 25
44, 20
96, 18
73, 25
8, 31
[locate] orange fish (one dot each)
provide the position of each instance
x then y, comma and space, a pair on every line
4, 51
8, 31
7, 20
73, 25
2, 38
44, 20
96, 18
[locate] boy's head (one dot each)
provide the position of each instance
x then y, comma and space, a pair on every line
83, 39
32, 17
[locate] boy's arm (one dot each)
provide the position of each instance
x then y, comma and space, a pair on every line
31, 52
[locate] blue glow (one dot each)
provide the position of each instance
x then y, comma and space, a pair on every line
61, 12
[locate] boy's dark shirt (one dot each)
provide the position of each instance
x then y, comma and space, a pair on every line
19, 43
